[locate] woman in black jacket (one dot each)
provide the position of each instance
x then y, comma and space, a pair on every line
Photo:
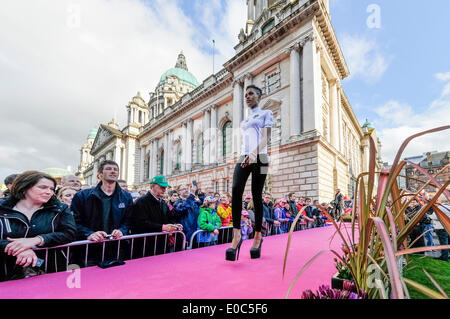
30, 217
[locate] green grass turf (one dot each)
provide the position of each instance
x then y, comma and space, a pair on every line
439, 270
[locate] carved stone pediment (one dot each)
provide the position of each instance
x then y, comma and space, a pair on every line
104, 135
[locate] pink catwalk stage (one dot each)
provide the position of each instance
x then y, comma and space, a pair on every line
197, 274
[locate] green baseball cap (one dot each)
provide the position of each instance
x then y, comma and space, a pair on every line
160, 180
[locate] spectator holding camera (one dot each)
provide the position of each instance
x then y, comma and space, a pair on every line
187, 209
102, 213
102, 210
209, 221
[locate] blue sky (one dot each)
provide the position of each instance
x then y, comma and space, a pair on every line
411, 37
413, 47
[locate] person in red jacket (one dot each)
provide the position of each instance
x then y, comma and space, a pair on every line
224, 210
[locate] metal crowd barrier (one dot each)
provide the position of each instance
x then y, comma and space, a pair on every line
225, 236
284, 228
88, 243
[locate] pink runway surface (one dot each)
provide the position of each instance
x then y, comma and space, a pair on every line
197, 274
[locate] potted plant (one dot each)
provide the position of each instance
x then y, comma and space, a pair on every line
372, 252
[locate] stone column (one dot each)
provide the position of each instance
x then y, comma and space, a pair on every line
184, 146
334, 129
166, 153
312, 86
248, 80
294, 106
190, 136
153, 163
117, 155
94, 174
213, 136
340, 122
170, 154
142, 165
206, 136
237, 115
251, 10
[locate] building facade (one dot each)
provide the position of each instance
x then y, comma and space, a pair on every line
432, 163
189, 131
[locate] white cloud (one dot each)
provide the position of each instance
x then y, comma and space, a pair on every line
364, 58
397, 121
66, 67
443, 76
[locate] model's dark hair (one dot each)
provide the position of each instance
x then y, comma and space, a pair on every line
25, 181
259, 92
104, 163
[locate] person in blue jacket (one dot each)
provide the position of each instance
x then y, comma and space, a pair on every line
103, 212
186, 210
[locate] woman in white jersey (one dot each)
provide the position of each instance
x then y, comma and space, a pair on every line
255, 131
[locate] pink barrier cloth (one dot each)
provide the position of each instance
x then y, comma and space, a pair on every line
197, 274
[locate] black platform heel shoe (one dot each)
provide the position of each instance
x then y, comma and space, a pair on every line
232, 254
256, 252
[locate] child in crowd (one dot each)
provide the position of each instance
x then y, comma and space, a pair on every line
280, 215
246, 225
209, 221
224, 210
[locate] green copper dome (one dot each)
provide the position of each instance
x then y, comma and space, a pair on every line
368, 125
93, 133
182, 74
56, 172
181, 71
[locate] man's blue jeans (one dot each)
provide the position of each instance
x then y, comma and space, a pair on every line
429, 235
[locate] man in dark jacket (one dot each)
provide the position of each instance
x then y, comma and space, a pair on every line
292, 205
151, 214
102, 212
9, 180
339, 203
416, 234
269, 215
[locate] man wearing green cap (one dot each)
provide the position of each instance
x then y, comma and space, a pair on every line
151, 214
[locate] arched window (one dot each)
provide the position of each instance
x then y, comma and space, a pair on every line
227, 132
178, 158
200, 149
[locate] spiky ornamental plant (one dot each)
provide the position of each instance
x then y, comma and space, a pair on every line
379, 229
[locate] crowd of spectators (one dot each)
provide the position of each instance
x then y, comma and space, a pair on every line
36, 212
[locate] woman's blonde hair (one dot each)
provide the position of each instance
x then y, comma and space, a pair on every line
251, 205
62, 190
